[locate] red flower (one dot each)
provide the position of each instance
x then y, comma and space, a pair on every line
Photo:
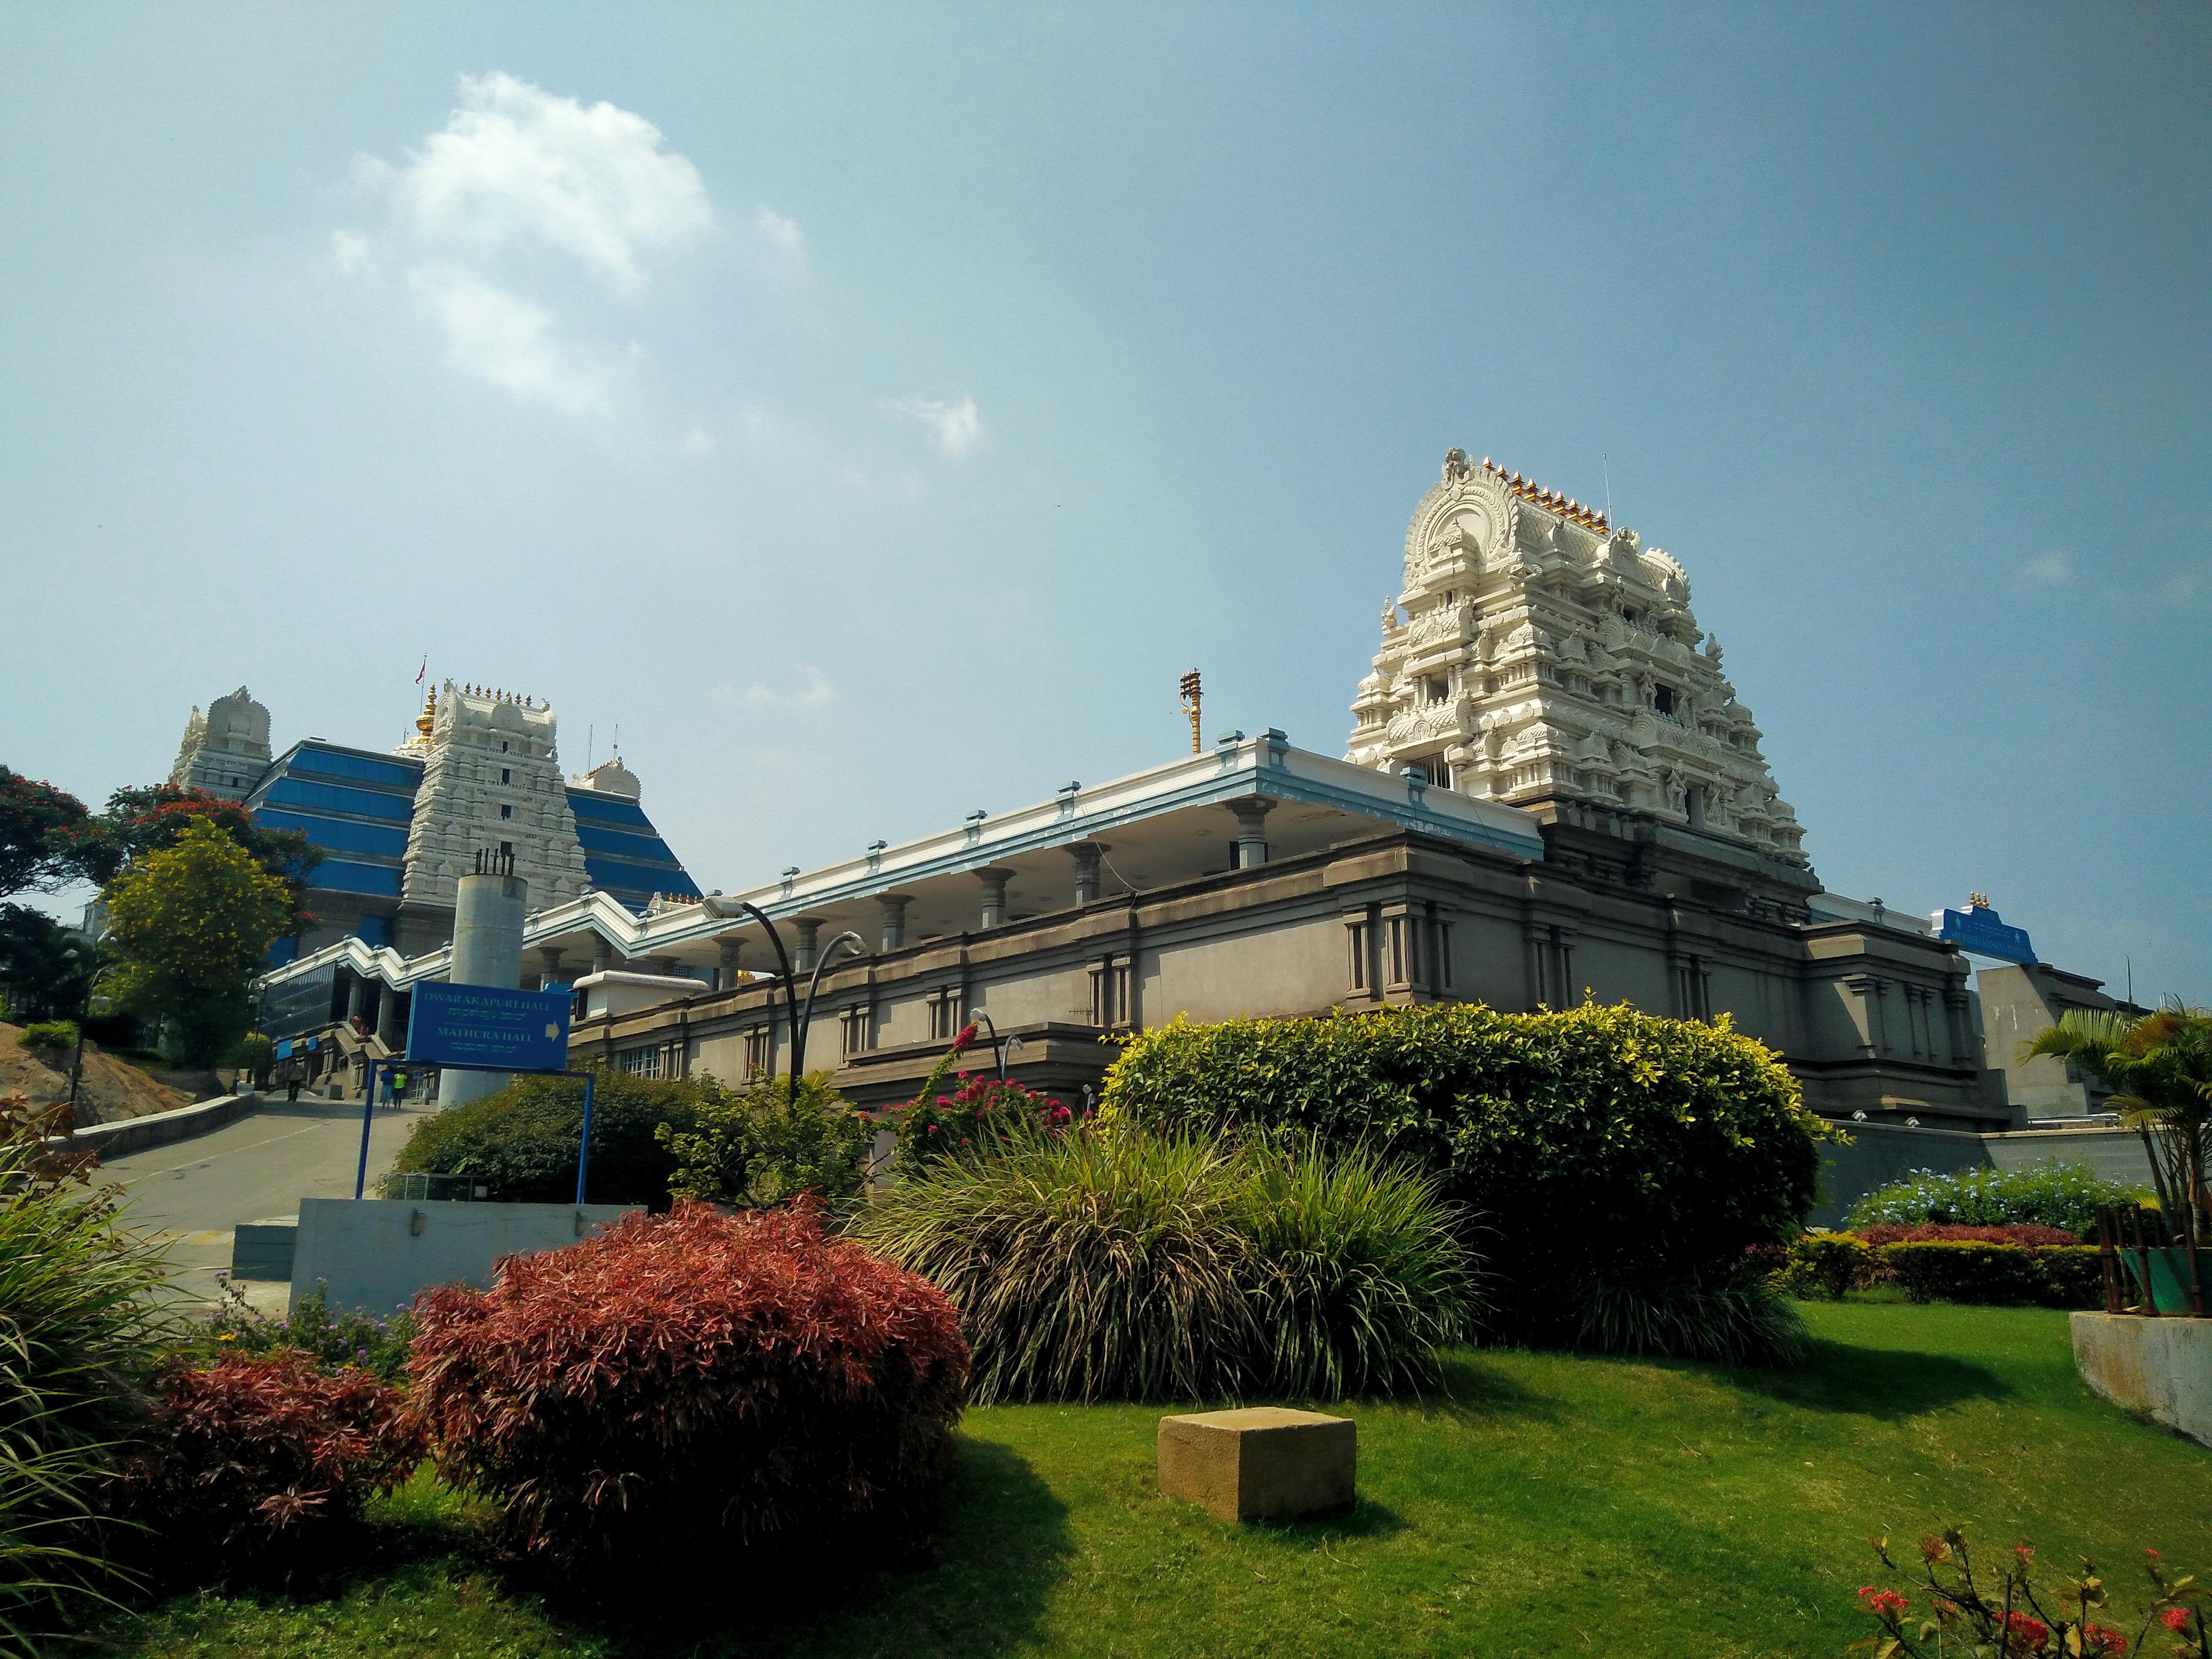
1883, 1603
2175, 1620
966, 1040
2102, 1642
2023, 1635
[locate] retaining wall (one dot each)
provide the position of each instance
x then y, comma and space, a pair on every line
1881, 1152
2160, 1367
376, 1252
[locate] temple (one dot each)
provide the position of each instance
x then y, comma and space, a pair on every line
397, 827
1551, 794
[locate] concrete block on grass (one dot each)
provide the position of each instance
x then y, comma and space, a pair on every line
1266, 1463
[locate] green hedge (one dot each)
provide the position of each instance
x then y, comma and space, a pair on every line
521, 1142
2056, 1276
1618, 1161
2049, 1193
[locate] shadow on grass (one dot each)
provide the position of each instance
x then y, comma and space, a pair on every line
1887, 1383
1474, 1389
975, 1584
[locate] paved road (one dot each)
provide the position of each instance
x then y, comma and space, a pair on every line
192, 1193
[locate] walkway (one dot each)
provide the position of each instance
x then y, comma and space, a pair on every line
192, 1193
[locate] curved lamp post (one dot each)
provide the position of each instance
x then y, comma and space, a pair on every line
76, 1065
1003, 1047
719, 908
798, 1047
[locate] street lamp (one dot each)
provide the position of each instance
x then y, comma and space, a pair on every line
1002, 1047
76, 1064
719, 908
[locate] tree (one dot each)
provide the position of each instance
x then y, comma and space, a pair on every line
141, 822
44, 981
2160, 1068
41, 827
193, 923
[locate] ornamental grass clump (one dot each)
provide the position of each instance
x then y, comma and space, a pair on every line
80, 1334
682, 1384
1096, 1265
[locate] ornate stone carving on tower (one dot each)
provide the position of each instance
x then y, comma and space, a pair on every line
491, 779
224, 750
1547, 656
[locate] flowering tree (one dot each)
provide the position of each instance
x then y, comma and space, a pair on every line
37, 822
139, 823
2017, 1610
192, 924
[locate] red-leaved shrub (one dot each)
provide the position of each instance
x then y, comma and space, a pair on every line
686, 1382
257, 1454
2027, 1234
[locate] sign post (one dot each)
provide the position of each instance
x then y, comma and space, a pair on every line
483, 1028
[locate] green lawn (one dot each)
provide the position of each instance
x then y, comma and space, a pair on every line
1548, 1504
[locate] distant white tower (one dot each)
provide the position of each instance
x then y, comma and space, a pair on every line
224, 750
1549, 661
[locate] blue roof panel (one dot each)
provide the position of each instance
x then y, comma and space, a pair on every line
335, 798
336, 835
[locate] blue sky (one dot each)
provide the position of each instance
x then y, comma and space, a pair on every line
874, 411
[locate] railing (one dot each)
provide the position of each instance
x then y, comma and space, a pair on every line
2144, 1258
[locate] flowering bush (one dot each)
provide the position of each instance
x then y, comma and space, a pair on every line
2048, 1194
252, 1458
2020, 1610
347, 1337
684, 1383
1829, 1264
982, 1112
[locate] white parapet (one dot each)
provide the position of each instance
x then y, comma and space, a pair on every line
2160, 1367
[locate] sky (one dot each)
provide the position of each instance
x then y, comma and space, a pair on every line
872, 412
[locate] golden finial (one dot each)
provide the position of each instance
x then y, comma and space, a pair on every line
429, 717
1190, 701
1978, 901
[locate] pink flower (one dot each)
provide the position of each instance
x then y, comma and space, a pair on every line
1883, 1603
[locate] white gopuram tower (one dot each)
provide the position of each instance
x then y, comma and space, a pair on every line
492, 783
224, 750
1549, 661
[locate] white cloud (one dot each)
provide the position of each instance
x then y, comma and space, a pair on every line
2051, 569
510, 342
516, 172
514, 162
781, 233
698, 442
955, 429
809, 689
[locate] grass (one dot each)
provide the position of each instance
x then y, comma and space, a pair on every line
1543, 1504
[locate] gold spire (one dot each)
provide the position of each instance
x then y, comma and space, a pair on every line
429, 717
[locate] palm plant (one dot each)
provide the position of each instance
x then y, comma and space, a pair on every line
2160, 1068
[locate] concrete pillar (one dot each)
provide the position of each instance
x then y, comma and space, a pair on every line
731, 947
603, 955
810, 941
356, 999
1251, 830
389, 1026
549, 972
994, 896
1086, 854
487, 950
893, 906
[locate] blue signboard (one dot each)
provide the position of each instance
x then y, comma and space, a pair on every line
1981, 932
284, 1049
483, 1025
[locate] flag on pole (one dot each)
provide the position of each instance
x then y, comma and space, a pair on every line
423, 670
